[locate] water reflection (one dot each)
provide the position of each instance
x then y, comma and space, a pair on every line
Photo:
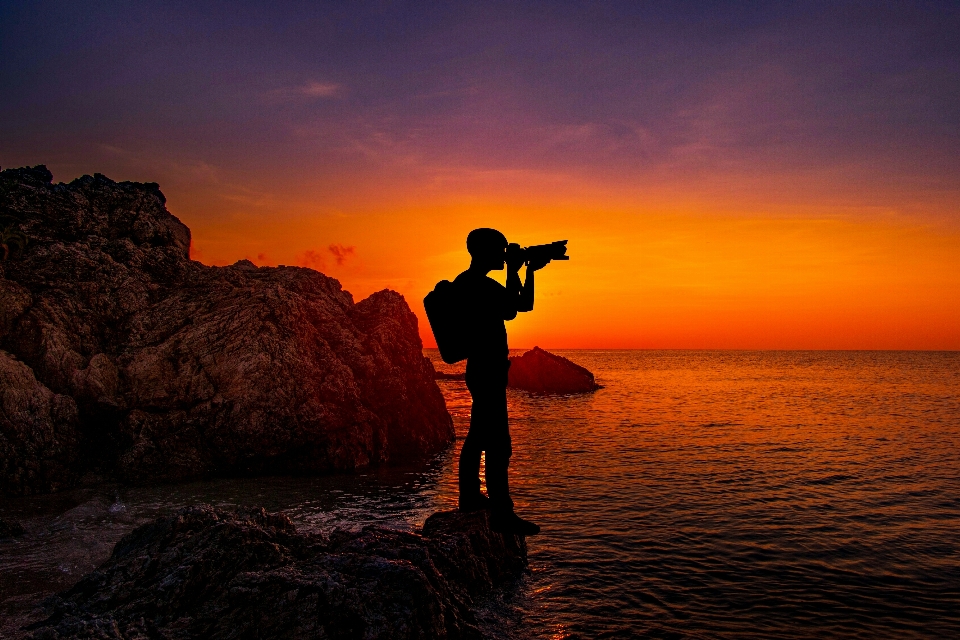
703, 494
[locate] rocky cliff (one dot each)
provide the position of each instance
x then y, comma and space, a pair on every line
209, 573
121, 354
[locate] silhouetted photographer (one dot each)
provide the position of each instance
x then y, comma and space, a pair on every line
467, 317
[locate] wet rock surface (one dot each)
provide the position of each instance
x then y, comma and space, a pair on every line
10, 528
540, 371
124, 356
209, 573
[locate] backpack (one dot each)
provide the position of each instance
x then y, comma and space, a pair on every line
448, 319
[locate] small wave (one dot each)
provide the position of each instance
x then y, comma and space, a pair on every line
832, 479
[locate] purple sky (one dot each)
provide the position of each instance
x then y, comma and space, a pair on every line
632, 92
729, 174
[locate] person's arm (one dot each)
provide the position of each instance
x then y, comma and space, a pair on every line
520, 296
515, 292
513, 299
525, 299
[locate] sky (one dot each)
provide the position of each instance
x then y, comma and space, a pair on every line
728, 175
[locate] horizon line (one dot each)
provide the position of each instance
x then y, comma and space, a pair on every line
724, 349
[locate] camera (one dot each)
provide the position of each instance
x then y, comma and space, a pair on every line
538, 252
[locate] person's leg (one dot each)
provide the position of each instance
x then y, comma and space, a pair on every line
470, 497
498, 451
473, 445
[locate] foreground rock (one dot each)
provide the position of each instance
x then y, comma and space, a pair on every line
122, 355
539, 371
208, 573
10, 528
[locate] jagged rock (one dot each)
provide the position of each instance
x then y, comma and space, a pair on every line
179, 370
209, 573
540, 371
10, 529
38, 432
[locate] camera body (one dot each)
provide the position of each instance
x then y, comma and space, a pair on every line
538, 252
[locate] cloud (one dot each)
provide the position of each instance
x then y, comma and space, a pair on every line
261, 259
341, 253
320, 89
117, 151
312, 260
311, 89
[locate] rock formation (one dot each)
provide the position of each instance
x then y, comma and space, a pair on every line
38, 431
539, 371
208, 573
10, 529
124, 356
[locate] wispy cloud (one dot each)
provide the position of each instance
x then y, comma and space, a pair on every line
320, 89
316, 260
341, 253
312, 259
310, 90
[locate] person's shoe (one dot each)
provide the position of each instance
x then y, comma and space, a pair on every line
478, 502
511, 523
524, 527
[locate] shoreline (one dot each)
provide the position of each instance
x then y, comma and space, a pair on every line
70, 533
203, 570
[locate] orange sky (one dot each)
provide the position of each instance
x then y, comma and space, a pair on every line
646, 270
728, 175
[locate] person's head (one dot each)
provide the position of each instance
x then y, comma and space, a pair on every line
487, 248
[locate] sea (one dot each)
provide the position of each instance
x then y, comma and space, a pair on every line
697, 494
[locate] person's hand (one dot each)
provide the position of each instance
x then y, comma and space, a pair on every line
514, 257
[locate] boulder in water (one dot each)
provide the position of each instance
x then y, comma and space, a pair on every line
209, 573
540, 371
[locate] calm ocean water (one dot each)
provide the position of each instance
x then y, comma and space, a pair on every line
699, 494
